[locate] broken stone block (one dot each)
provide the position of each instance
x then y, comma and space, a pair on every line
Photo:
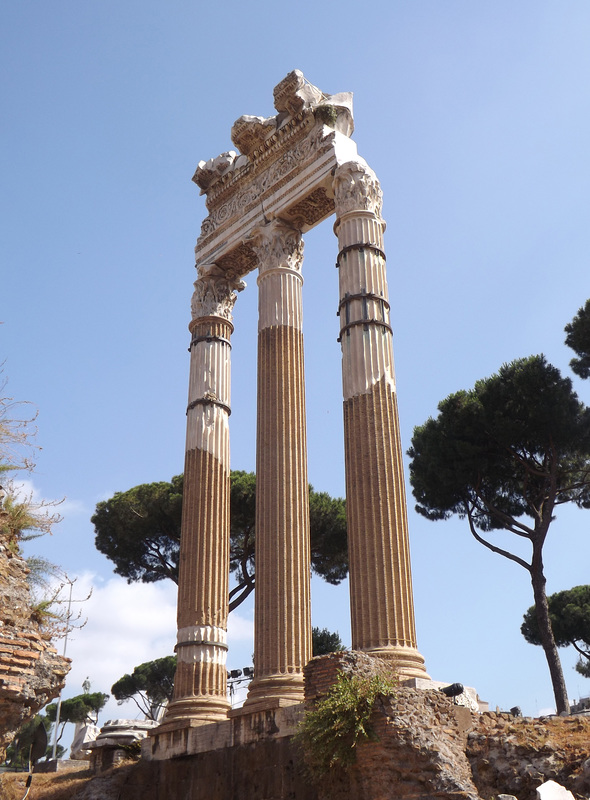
550, 790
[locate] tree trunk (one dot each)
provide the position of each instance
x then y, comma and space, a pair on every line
546, 633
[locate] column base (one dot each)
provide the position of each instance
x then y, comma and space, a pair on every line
408, 662
194, 711
286, 688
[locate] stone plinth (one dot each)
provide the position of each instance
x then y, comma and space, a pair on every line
270, 720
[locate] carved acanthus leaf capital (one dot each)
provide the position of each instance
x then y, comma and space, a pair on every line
356, 188
277, 245
215, 297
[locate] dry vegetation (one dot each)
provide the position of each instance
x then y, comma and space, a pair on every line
54, 786
72, 784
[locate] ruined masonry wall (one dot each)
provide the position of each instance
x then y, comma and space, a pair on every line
31, 671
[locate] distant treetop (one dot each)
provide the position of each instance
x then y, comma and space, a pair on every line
578, 338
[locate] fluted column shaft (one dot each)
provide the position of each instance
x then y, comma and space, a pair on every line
382, 612
282, 599
200, 690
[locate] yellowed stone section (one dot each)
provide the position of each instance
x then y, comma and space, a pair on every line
282, 601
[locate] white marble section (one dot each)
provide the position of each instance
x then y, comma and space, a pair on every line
202, 633
210, 645
202, 654
207, 429
367, 349
367, 359
551, 790
280, 299
209, 390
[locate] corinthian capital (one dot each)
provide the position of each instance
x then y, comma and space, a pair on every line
356, 188
277, 245
214, 297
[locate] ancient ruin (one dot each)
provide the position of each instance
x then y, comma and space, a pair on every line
32, 673
293, 170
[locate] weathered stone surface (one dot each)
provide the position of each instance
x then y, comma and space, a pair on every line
31, 671
419, 751
269, 770
516, 755
423, 752
110, 747
322, 671
84, 734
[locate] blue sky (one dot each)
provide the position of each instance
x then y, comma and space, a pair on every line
475, 117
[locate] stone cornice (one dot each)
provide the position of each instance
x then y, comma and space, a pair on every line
284, 171
238, 168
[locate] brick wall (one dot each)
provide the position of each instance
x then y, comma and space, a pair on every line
31, 671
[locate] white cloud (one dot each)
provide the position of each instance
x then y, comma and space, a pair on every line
70, 508
239, 628
128, 624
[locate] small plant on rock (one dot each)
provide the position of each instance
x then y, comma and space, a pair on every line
330, 732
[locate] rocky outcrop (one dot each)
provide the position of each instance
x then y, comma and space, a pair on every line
428, 746
516, 755
419, 747
31, 671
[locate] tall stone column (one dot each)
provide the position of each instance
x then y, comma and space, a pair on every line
382, 611
200, 691
282, 637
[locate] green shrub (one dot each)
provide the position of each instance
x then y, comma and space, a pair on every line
330, 732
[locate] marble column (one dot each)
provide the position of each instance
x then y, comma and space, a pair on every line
382, 612
200, 690
282, 637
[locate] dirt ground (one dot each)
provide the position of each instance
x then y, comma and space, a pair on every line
66, 784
